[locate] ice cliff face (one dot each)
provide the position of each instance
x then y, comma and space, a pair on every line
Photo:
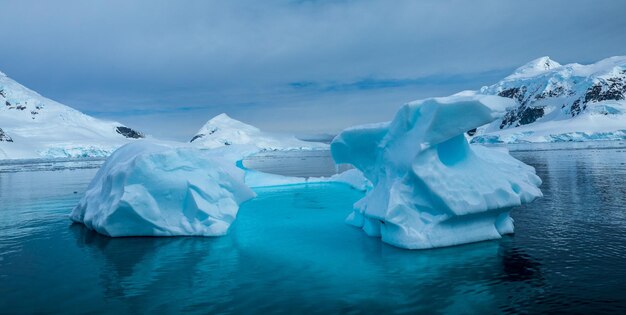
222, 130
430, 187
561, 103
33, 126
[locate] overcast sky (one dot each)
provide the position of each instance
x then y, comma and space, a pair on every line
165, 67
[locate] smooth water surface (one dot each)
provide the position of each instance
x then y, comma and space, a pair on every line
290, 252
313, 163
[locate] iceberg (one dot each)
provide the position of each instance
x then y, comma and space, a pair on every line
149, 189
431, 188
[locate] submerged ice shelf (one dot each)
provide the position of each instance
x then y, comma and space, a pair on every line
430, 187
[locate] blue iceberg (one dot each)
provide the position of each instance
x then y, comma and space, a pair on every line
430, 187
148, 189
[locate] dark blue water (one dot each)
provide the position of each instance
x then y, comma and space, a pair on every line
290, 252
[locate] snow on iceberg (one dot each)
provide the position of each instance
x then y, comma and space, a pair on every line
430, 187
147, 189
222, 130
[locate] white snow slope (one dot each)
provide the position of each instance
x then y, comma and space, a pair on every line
222, 130
32, 126
557, 103
430, 187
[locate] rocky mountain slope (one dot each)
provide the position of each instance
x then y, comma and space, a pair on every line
32, 126
558, 103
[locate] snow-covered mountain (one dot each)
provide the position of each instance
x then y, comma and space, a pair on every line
222, 130
32, 126
558, 103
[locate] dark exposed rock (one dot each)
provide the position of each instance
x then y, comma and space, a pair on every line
4, 136
129, 133
3, 93
200, 135
516, 93
196, 137
556, 92
21, 107
576, 108
471, 132
508, 119
524, 114
7, 103
613, 89
530, 114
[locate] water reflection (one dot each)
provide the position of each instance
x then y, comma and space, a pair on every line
150, 272
305, 258
517, 265
318, 259
577, 229
295, 163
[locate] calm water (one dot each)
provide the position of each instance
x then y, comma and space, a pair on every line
289, 251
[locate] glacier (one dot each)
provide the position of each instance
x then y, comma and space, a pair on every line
149, 189
430, 187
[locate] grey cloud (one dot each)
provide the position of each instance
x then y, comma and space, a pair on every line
147, 62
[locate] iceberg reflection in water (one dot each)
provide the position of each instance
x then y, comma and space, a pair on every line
290, 251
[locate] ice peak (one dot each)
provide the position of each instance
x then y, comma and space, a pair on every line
535, 67
542, 64
221, 117
223, 120
2, 74
223, 130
